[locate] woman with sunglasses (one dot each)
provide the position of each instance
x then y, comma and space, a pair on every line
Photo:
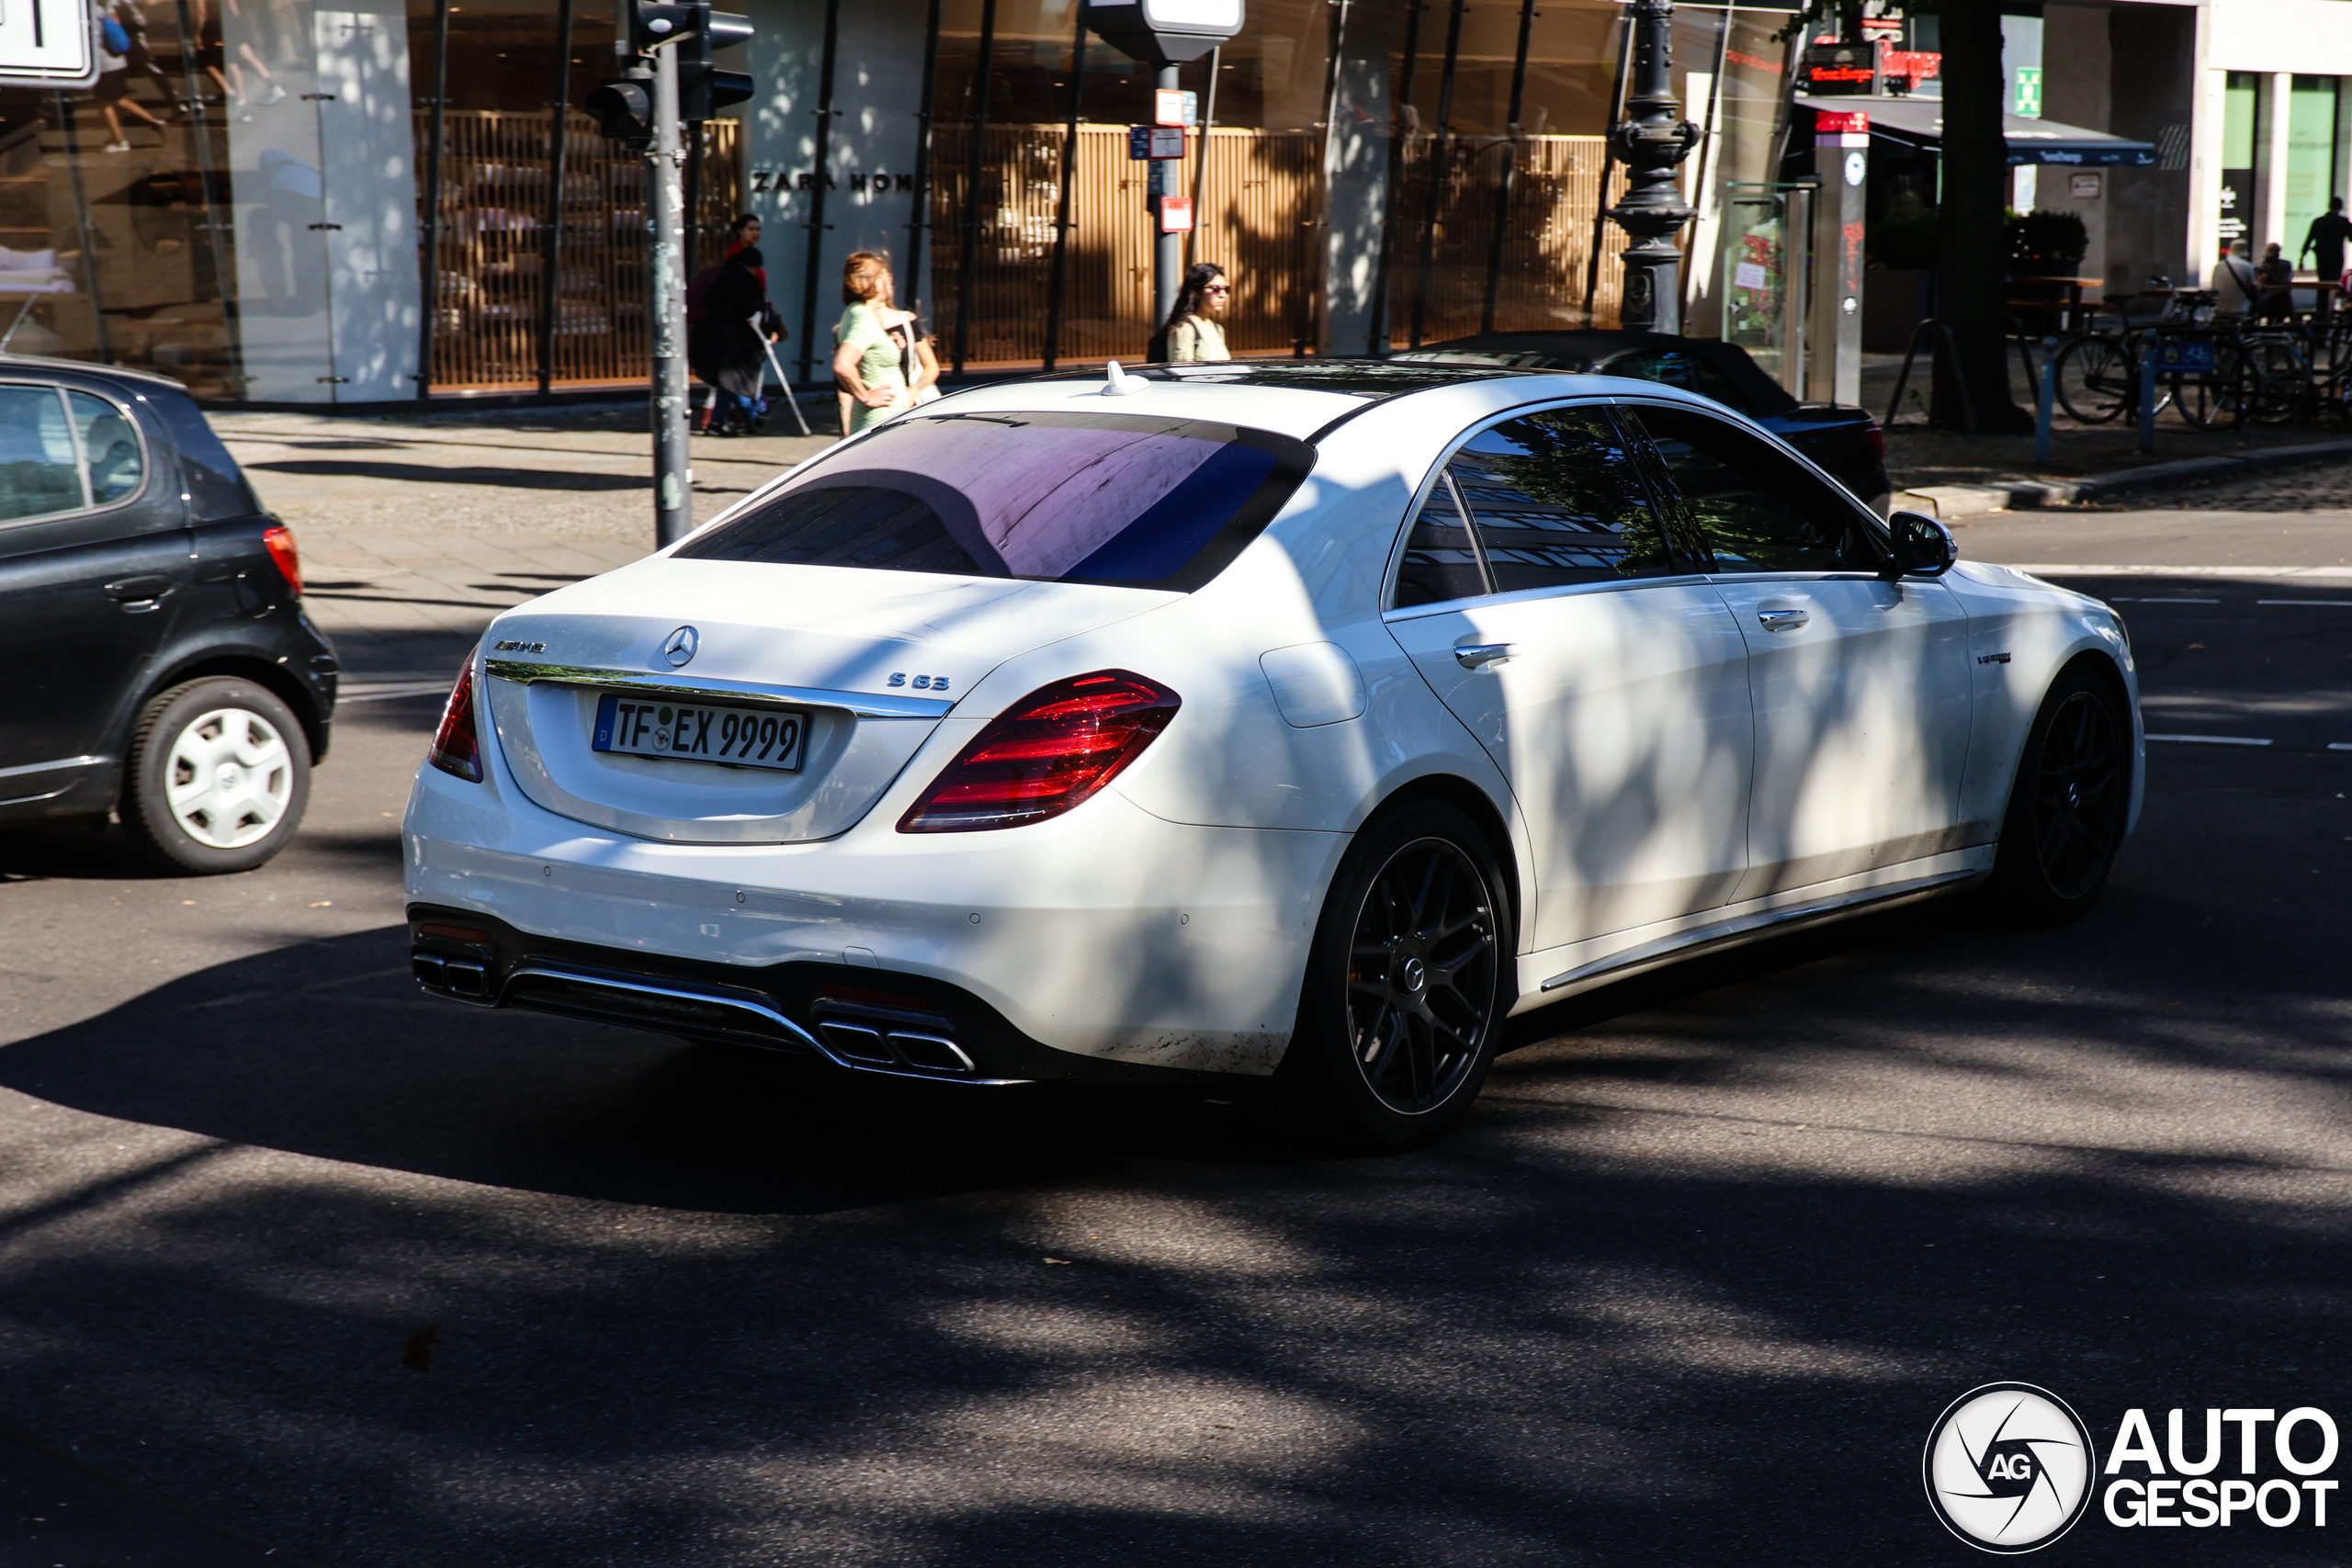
1193, 335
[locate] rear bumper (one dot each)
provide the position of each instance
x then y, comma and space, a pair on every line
854, 1018
1104, 940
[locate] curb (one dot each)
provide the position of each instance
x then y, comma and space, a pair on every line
2026, 495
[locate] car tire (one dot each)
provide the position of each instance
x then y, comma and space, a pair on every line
2067, 807
218, 776
1406, 988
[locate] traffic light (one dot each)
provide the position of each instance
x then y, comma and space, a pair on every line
702, 88
623, 109
653, 23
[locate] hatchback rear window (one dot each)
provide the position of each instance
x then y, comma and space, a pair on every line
1128, 498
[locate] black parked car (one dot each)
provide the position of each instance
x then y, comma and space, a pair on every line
157, 661
1846, 442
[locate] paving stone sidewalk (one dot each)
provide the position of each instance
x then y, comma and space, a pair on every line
415, 533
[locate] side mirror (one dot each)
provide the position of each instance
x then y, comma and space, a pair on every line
1923, 547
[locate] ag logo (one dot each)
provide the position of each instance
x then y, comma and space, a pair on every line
2008, 1467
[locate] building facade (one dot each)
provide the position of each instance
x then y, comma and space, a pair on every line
366, 201
281, 201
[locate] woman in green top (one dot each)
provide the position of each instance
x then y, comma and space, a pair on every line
1193, 335
870, 365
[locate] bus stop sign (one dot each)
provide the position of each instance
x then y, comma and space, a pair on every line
47, 43
1163, 33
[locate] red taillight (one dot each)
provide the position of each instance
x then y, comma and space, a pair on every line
1044, 755
279, 541
1878, 440
455, 749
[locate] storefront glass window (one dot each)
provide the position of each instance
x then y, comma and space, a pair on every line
109, 250
996, 190
2241, 112
2311, 156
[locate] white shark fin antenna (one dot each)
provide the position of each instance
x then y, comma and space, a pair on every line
1120, 384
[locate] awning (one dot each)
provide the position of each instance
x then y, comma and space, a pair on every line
2030, 141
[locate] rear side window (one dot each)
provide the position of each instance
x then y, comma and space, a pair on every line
1125, 499
1441, 554
111, 449
216, 487
1557, 500
1751, 507
41, 472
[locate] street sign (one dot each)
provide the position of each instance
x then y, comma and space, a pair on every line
2178, 354
1163, 33
47, 43
1175, 214
1155, 141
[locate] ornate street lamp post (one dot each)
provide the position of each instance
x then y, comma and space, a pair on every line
1652, 140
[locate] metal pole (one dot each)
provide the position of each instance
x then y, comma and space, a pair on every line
1511, 168
1201, 169
89, 237
1652, 139
1061, 203
1608, 161
432, 238
201, 148
1441, 149
817, 182
919, 213
551, 256
1167, 249
1393, 192
672, 473
1315, 329
972, 166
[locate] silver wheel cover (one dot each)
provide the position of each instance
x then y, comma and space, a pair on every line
228, 777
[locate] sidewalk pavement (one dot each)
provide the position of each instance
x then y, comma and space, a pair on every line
1951, 474
415, 532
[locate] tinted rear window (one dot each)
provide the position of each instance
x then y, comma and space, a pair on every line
1130, 499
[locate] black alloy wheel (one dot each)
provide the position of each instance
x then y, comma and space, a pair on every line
2068, 806
1405, 987
1421, 975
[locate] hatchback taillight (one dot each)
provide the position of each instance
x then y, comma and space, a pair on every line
1877, 440
1044, 755
456, 749
278, 539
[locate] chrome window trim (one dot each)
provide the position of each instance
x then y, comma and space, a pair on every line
523, 673
1527, 595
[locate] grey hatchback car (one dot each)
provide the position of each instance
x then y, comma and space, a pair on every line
160, 664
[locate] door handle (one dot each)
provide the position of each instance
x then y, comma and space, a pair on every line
143, 589
1478, 655
1782, 620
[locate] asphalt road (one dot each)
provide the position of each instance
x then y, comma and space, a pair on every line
1693, 1282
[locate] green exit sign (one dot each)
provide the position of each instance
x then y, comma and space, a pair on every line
2025, 92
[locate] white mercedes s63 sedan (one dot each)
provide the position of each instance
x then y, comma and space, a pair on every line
1294, 723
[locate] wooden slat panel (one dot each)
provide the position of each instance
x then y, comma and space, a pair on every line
494, 174
1547, 241
1257, 210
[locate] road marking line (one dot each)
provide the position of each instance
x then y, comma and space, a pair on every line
2312, 603
2213, 739
2043, 569
2119, 599
2340, 745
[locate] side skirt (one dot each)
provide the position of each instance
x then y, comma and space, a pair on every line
1765, 918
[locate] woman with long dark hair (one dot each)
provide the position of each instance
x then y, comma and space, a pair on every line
1194, 336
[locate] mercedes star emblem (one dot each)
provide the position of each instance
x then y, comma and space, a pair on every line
680, 646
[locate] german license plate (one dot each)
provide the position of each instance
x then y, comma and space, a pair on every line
700, 732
